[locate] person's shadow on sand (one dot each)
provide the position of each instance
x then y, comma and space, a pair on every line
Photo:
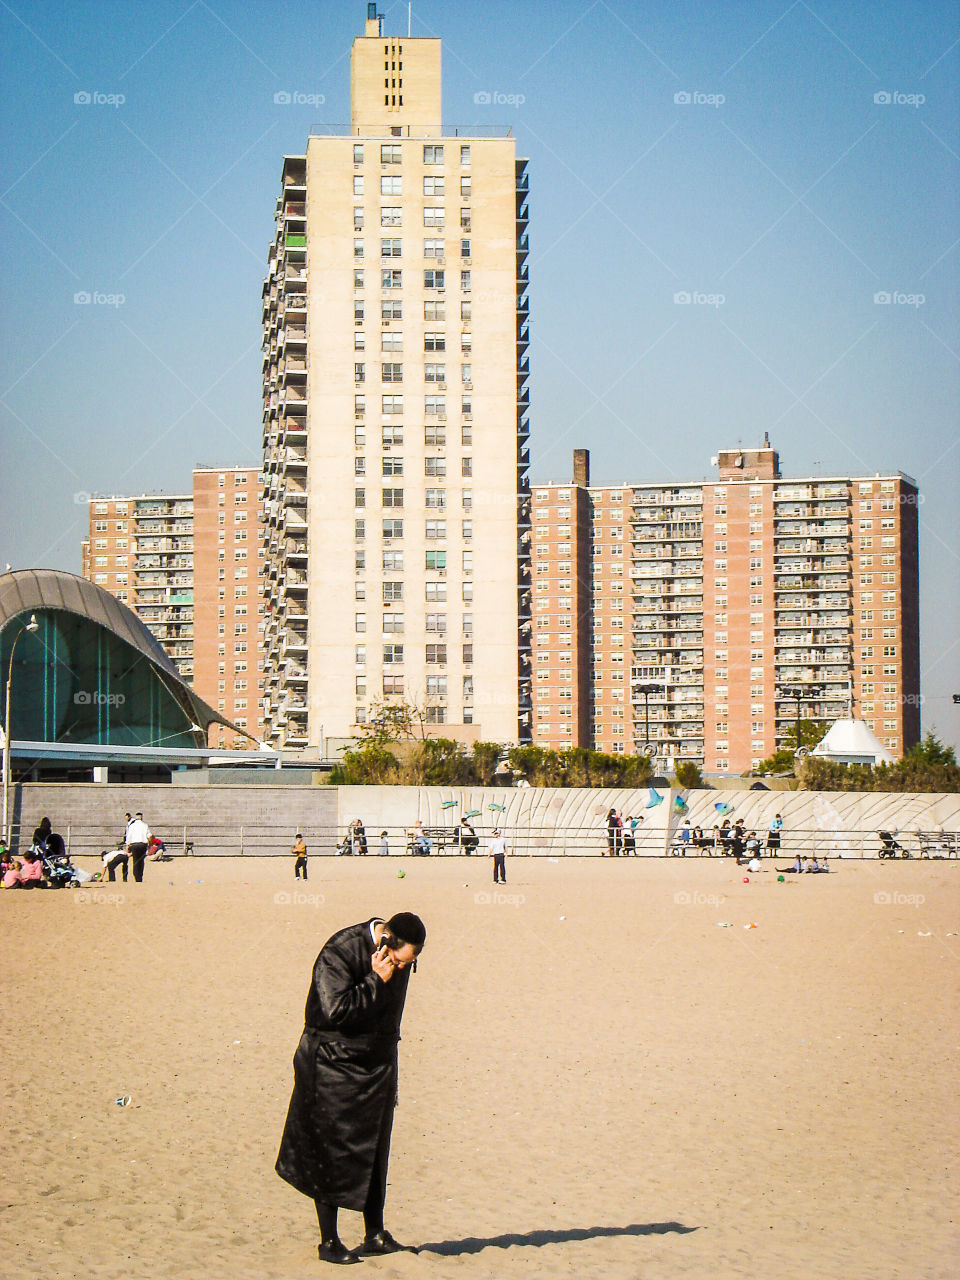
536, 1239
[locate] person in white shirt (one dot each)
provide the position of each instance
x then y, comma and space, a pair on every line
138, 837
498, 851
113, 858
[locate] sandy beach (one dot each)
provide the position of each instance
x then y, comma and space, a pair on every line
597, 1079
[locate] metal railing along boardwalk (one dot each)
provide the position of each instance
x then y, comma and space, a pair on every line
275, 840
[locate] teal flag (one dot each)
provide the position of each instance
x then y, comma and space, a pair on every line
655, 799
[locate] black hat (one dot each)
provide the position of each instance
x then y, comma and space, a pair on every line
406, 927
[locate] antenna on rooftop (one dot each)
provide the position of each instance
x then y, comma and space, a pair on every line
409, 19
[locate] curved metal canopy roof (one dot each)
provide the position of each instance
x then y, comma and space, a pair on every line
26, 590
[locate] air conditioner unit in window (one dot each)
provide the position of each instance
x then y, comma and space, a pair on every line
441, 417
466, 262
467, 417
441, 386
468, 386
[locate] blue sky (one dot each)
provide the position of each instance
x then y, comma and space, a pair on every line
783, 191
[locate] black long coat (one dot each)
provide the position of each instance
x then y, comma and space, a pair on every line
345, 1073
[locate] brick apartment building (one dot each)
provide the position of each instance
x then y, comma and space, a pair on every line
689, 616
190, 566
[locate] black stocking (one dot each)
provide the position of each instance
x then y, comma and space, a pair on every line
327, 1217
373, 1209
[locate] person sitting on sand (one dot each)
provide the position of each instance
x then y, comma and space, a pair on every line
25, 873
156, 850
797, 867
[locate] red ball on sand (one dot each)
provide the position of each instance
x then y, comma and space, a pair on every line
746, 879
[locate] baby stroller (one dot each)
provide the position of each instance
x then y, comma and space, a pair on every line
889, 847
59, 872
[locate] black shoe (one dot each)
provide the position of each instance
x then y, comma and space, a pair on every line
382, 1242
337, 1252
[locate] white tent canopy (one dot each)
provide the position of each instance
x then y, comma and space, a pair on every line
852, 741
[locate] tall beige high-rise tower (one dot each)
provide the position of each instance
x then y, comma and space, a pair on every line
394, 428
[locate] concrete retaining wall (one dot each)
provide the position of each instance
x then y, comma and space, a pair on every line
540, 821
215, 819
